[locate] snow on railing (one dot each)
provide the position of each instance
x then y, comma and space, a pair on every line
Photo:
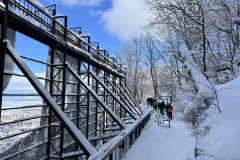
117, 147
36, 14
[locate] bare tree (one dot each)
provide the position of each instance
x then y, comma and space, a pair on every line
151, 60
130, 54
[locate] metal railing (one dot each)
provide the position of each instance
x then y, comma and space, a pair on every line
32, 13
104, 131
119, 148
55, 128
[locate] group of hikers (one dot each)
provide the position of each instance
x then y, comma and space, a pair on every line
160, 107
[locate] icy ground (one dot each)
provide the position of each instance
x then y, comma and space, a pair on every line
164, 143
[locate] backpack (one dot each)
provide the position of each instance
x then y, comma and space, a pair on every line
169, 109
155, 103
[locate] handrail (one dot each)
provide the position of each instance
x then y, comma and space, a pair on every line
52, 25
131, 133
81, 141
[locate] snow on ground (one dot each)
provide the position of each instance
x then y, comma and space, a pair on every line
223, 141
175, 143
163, 143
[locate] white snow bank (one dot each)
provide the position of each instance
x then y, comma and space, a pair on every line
223, 141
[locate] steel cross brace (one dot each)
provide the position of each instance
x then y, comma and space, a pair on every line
113, 95
94, 94
128, 99
124, 96
130, 94
81, 141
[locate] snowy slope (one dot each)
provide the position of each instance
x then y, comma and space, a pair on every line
223, 141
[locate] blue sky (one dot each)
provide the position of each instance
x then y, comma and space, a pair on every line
110, 22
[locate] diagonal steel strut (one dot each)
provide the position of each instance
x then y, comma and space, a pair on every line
124, 94
104, 105
81, 141
113, 95
132, 97
122, 97
137, 110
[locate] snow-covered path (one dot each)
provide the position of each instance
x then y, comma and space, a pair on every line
160, 143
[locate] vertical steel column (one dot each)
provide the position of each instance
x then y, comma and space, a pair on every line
114, 78
88, 100
2, 58
125, 79
104, 96
120, 80
97, 108
78, 98
51, 87
107, 102
49, 111
63, 84
2, 52
89, 46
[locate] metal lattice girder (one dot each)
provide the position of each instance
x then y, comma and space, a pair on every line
121, 96
130, 95
81, 141
103, 104
128, 99
113, 95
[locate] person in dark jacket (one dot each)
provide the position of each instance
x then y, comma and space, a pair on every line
161, 107
151, 102
148, 102
169, 111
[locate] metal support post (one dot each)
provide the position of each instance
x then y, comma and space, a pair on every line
2, 59
88, 99
49, 110
104, 99
63, 84
78, 98
2, 52
97, 108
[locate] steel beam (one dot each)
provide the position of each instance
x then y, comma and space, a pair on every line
128, 99
124, 96
113, 95
131, 96
81, 141
108, 109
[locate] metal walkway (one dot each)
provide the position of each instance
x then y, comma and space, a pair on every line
85, 102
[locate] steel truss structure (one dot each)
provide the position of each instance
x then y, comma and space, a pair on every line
85, 100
